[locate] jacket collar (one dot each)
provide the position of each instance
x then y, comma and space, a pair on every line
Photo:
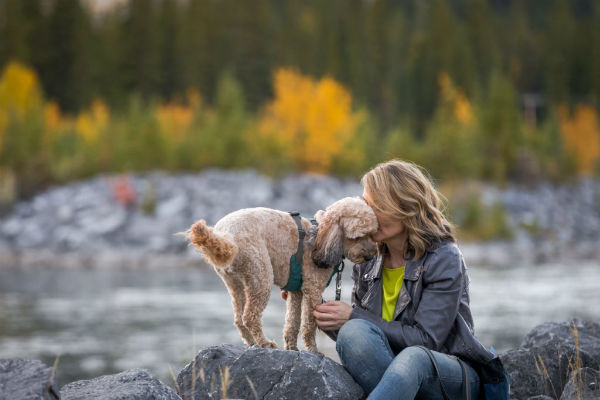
412, 269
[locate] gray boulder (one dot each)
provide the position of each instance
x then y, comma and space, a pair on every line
26, 380
583, 385
555, 333
133, 384
256, 373
549, 354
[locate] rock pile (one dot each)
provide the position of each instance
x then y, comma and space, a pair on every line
555, 361
139, 214
91, 216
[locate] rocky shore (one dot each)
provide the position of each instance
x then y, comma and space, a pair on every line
117, 219
556, 360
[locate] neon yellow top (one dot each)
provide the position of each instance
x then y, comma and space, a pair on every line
392, 283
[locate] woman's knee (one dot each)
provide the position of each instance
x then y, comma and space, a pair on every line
412, 359
359, 336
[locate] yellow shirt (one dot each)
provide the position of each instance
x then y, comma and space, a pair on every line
392, 283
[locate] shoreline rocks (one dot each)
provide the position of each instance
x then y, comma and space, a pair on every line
557, 360
90, 219
254, 372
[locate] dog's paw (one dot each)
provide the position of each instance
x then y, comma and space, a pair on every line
291, 347
269, 344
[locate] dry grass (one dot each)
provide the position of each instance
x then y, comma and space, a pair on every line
49, 386
199, 374
574, 368
540, 366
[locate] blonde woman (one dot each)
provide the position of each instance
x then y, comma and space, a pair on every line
413, 295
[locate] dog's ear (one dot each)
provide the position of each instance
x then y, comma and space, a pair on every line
329, 243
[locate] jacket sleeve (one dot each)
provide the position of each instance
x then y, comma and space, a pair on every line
437, 309
355, 273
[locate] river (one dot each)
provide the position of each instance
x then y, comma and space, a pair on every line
105, 320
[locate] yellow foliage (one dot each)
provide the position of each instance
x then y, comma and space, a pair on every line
311, 120
52, 116
581, 133
20, 91
91, 123
175, 119
456, 100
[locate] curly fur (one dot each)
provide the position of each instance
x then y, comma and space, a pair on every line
250, 249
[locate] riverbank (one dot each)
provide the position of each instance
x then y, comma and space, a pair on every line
555, 360
133, 219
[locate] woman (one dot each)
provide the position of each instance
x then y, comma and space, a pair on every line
415, 293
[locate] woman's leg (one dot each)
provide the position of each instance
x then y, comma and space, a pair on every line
411, 375
364, 351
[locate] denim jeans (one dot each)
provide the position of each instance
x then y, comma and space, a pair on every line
366, 354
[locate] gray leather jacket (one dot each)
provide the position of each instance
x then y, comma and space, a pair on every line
432, 308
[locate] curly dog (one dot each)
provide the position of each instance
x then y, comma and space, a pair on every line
250, 249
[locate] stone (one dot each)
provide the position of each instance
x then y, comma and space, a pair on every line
26, 380
133, 384
584, 384
548, 355
253, 372
588, 336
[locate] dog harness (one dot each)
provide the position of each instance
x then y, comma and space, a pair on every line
295, 281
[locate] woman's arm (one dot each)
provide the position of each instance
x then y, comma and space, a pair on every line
330, 316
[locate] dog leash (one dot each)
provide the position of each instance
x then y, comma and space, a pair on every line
338, 281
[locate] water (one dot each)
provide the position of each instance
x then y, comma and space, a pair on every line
102, 321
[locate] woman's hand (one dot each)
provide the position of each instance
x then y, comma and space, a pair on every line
332, 315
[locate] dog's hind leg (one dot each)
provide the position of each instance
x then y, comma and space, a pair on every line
257, 297
292, 320
235, 286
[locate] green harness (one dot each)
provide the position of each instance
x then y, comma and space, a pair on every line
295, 281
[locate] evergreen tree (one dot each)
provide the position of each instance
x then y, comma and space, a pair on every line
65, 65
558, 51
171, 54
138, 51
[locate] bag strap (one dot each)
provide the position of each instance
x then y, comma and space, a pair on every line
465, 373
466, 380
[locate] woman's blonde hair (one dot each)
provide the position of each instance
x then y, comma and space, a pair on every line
401, 190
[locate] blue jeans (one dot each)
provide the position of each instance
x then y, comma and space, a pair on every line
366, 354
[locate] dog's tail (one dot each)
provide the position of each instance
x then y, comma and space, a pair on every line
216, 248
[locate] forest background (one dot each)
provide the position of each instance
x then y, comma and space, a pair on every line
498, 90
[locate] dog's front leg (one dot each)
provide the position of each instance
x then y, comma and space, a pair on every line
292, 320
310, 299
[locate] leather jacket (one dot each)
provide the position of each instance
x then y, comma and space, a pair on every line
432, 309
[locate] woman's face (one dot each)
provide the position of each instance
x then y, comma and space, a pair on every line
389, 228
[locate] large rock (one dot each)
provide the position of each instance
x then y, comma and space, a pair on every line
583, 385
587, 334
549, 354
133, 384
26, 380
257, 373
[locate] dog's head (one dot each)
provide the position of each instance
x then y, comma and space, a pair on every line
344, 230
